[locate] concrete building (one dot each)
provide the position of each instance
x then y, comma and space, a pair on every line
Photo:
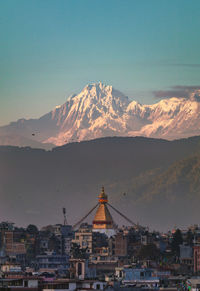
83, 237
146, 239
51, 263
186, 257
73, 285
137, 276
121, 245
81, 269
56, 238
196, 253
21, 283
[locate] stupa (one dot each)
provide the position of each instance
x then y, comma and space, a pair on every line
103, 221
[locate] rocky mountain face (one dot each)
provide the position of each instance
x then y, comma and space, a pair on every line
100, 111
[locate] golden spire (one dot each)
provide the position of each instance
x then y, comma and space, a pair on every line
103, 198
103, 218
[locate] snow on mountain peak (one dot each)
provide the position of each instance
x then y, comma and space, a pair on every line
100, 110
58, 106
98, 89
100, 95
195, 96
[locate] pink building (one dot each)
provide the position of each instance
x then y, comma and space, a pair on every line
196, 258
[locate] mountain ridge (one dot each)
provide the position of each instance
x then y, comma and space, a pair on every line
35, 184
100, 111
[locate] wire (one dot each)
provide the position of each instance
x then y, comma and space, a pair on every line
82, 219
130, 221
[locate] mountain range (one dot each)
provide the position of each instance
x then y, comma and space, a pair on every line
101, 111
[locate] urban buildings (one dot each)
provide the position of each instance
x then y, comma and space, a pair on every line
98, 251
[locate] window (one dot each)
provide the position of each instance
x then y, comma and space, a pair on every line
79, 269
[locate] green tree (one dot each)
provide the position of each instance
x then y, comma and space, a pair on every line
54, 244
30, 253
189, 238
149, 252
77, 252
32, 229
176, 242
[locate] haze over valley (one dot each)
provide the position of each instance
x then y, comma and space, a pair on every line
153, 181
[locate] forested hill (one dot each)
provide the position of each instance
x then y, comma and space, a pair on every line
154, 181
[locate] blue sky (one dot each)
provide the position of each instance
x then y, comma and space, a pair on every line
52, 48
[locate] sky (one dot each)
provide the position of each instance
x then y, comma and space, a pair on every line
50, 49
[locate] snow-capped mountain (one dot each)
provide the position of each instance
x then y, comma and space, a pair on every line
100, 110
95, 112
172, 118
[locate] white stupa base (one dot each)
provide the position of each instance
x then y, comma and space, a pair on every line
109, 232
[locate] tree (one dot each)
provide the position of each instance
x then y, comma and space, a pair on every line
99, 240
77, 252
32, 229
176, 242
54, 244
30, 253
189, 238
149, 252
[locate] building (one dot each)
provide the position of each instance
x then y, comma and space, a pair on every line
121, 244
67, 236
52, 262
196, 256
12, 244
56, 238
20, 283
146, 239
186, 257
81, 269
73, 285
10, 267
137, 276
8, 242
83, 238
103, 221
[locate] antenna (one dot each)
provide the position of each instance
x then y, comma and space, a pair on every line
64, 214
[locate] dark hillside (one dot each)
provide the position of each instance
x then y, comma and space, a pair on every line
36, 184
